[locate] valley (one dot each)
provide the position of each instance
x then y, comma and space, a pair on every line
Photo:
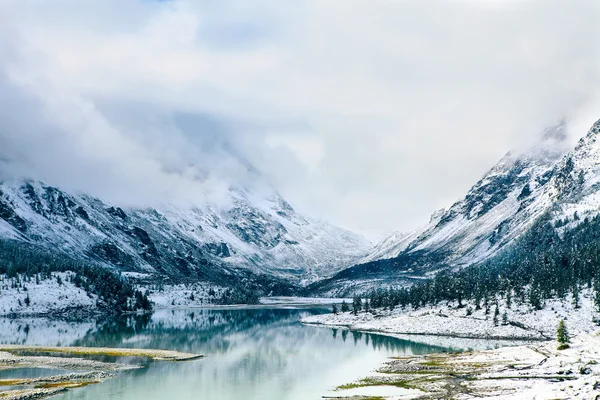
270, 200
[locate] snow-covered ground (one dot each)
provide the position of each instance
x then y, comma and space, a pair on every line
449, 320
205, 295
300, 301
513, 370
579, 364
31, 296
535, 371
184, 296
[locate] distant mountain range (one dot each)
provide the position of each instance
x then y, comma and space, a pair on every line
549, 177
258, 238
262, 239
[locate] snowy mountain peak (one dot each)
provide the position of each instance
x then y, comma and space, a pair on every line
500, 207
258, 234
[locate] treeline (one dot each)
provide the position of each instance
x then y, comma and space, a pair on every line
232, 296
117, 295
541, 265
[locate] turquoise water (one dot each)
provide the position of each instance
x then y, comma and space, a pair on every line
251, 354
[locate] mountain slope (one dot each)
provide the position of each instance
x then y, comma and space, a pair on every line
257, 237
498, 209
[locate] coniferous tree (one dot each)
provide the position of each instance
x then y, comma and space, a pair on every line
576, 300
504, 318
345, 307
597, 293
496, 314
562, 335
478, 300
356, 305
534, 297
335, 309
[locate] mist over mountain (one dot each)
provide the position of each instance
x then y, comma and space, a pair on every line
232, 139
548, 180
137, 101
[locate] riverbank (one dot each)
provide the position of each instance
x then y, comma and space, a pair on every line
533, 371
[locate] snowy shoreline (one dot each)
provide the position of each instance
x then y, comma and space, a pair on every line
521, 321
534, 371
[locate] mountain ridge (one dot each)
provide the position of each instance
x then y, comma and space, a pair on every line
261, 238
500, 207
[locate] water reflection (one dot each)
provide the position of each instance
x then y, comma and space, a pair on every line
252, 353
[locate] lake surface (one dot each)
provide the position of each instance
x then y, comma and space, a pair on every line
252, 354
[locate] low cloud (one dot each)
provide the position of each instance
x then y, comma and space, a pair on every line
370, 114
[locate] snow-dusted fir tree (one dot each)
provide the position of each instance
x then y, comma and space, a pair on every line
496, 314
562, 335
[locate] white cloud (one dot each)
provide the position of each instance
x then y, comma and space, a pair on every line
370, 113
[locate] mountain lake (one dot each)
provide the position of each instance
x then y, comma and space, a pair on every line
254, 353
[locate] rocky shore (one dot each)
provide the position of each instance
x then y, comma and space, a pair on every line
534, 371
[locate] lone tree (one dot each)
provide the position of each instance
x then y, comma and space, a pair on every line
335, 309
562, 335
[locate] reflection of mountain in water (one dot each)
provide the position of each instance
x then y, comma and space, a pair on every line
251, 353
210, 331
213, 331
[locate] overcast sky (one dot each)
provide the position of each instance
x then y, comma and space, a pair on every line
371, 113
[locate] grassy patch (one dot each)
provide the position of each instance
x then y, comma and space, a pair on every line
366, 382
165, 355
67, 385
13, 382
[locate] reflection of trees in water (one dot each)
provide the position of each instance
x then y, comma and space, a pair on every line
111, 332
246, 347
390, 344
188, 329
216, 331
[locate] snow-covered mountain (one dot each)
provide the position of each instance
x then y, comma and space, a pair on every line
495, 210
258, 236
548, 177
